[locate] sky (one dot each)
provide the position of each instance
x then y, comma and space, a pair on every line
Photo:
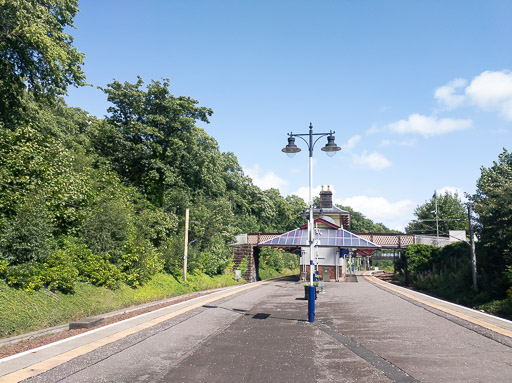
418, 93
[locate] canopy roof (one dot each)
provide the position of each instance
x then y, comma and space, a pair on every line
324, 238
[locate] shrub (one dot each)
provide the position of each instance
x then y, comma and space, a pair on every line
139, 262
272, 258
57, 273
107, 229
216, 258
92, 268
27, 235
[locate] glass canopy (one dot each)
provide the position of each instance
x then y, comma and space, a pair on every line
324, 238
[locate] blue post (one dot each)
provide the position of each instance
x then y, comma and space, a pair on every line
311, 304
311, 297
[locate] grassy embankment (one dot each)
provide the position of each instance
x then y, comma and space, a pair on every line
22, 312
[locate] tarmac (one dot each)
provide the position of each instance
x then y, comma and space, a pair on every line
369, 331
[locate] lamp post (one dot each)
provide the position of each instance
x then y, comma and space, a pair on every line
330, 149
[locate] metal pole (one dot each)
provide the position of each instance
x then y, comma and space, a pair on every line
472, 243
437, 217
185, 253
311, 303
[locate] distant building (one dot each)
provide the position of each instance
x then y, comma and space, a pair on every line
332, 241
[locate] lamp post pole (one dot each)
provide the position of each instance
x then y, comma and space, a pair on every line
291, 149
311, 231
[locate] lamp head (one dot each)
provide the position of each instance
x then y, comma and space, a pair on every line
291, 149
331, 148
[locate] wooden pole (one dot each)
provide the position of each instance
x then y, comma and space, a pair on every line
185, 255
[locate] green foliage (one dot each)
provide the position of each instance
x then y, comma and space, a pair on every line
56, 273
139, 262
153, 141
91, 268
108, 226
493, 205
27, 236
384, 264
215, 259
452, 215
36, 55
421, 259
274, 262
23, 312
102, 201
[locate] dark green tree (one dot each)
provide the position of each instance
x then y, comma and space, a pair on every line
36, 55
493, 204
151, 140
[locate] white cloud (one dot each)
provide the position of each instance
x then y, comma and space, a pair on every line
265, 179
374, 129
429, 126
490, 91
446, 93
388, 142
374, 160
351, 143
395, 215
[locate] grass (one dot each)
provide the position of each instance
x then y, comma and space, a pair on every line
384, 264
268, 273
501, 308
22, 312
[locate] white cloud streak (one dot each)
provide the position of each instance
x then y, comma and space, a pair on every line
395, 215
265, 179
428, 126
374, 160
446, 93
351, 143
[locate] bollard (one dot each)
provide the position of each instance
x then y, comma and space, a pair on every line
311, 304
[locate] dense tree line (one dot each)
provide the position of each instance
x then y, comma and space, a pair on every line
447, 271
103, 200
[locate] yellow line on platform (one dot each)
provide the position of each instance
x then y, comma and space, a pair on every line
468, 318
50, 363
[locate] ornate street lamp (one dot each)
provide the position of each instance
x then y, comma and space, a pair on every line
291, 149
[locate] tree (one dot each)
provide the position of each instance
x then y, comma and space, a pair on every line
36, 54
151, 140
452, 215
493, 204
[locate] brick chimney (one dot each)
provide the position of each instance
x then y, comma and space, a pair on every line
326, 198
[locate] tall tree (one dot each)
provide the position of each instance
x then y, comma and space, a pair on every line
452, 215
493, 204
152, 140
35, 53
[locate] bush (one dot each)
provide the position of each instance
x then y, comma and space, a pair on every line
92, 268
139, 262
216, 258
57, 273
27, 235
291, 261
107, 229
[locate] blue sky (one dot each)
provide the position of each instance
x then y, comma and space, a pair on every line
418, 92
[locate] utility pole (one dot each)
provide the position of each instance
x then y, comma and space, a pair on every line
185, 255
472, 244
437, 216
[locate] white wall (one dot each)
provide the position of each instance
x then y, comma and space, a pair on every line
326, 256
